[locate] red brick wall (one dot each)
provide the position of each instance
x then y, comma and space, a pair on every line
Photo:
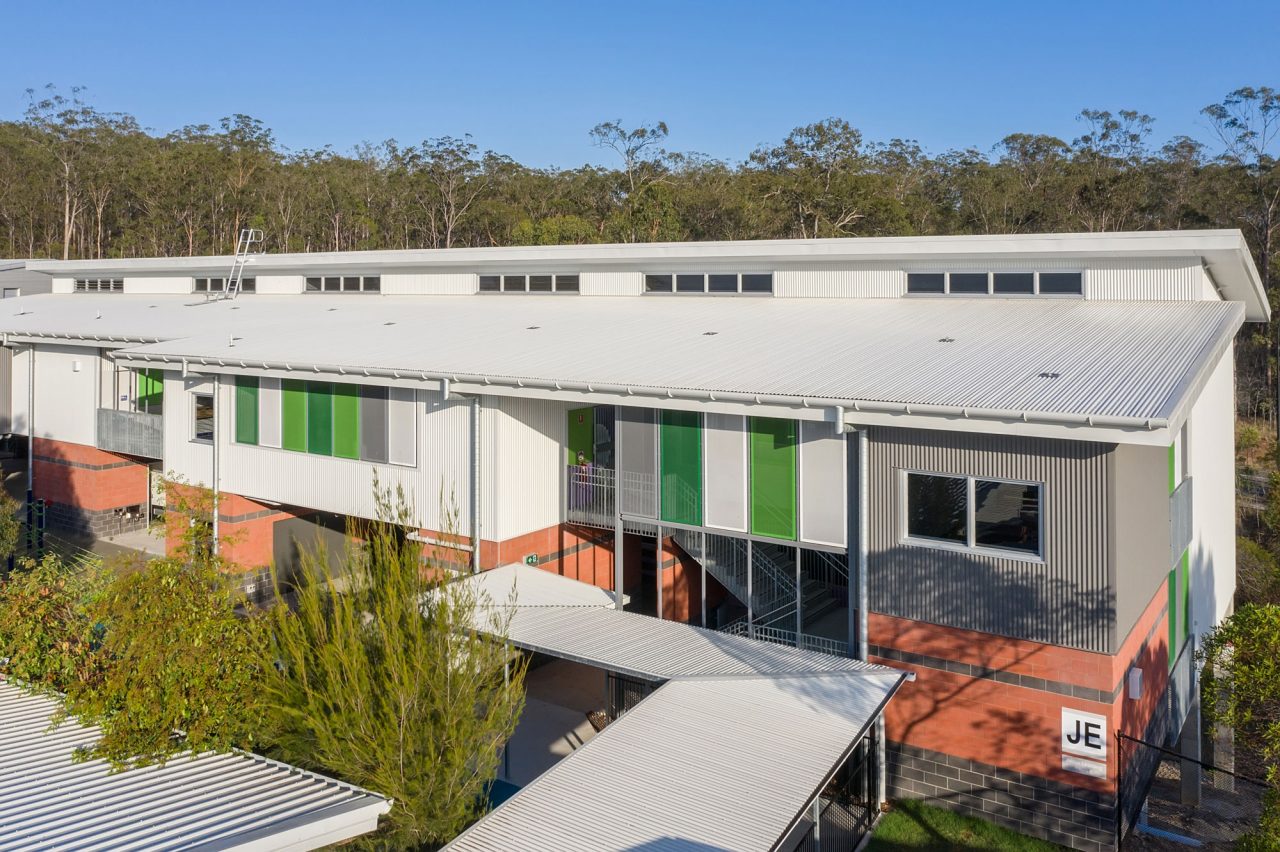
86, 477
681, 585
1016, 727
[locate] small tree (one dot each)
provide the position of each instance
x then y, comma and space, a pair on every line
46, 634
1242, 691
383, 679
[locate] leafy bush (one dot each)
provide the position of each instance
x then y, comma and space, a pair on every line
1248, 437
175, 656
383, 681
46, 634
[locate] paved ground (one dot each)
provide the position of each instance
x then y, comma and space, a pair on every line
554, 723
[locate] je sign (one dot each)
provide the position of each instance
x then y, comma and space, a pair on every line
1085, 735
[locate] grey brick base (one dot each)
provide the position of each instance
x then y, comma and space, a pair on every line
98, 524
1071, 816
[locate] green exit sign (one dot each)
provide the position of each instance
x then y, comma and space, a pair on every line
531, 559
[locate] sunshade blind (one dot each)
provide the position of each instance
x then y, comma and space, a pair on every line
320, 418
246, 410
269, 412
346, 421
680, 457
773, 477
294, 415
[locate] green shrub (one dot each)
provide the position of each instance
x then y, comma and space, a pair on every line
1257, 574
47, 636
1248, 437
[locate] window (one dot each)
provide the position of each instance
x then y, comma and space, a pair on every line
216, 285
99, 285
971, 513
996, 283
12, 292
372, 424
540, 283
716, 283
344, 284
926, 282
203, 417
1062, 283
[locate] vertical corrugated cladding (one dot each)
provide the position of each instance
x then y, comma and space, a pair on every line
6, 383
611, 283
1063, 600
429, 284
870, 282
1158, 278
523, 466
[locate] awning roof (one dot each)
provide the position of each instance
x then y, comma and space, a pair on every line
213, 801
1056, 363
702, 764
725, 755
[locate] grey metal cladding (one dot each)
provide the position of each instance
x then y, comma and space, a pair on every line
1064, 600
638, 456
373, 423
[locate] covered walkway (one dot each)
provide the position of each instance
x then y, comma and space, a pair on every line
735, 750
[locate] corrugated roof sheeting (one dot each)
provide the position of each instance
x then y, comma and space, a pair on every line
213, 801
1042, 356
702, 764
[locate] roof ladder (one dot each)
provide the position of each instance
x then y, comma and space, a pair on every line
249, 237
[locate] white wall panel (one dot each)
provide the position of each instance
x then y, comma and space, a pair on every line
402, 426
18, 389
523, 465
611, 283
433, 284
1156, 278
190, 461
869, 283
66, 393
1212, 469
277, 285
823, 491
725, 483
63, 285
269, 412
149, 285
1208, 292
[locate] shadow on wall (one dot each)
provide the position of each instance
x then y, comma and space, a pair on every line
90, 492
988, 596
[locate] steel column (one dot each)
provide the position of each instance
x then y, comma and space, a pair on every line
619, 536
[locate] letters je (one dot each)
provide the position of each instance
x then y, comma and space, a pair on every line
1087, 733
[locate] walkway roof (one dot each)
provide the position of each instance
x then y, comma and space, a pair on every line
725, 755
213, 801
701, 764
982, 364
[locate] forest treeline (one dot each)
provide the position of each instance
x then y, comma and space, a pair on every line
77, 182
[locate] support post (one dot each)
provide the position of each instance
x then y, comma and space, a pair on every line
864, 531
659, 562
217, 413
702, 565
31, 421
474, 485
1189, 745
751, 621
799, 603
619, 535
817, 824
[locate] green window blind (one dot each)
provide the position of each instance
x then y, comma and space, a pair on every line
246, 410
773, 477
150, 390
582, 434
320, 418
346, 421
680, 455
293, 415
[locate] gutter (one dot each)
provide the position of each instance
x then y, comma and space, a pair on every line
479, 381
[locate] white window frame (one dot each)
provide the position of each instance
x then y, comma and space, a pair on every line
555, 284
195, 419
971, 526
342, 276
991, 283
738, 291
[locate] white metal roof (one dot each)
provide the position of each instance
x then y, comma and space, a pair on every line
701, 764
573, 620
1120, 365
1224, 252
227, 801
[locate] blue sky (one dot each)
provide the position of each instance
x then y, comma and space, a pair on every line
530, 79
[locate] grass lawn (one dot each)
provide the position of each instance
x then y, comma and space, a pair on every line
911, 825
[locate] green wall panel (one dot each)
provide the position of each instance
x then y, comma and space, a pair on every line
320, 418
346, 421
246, 410
582, 434
773, 477
151, 391
293, 415
680, 457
